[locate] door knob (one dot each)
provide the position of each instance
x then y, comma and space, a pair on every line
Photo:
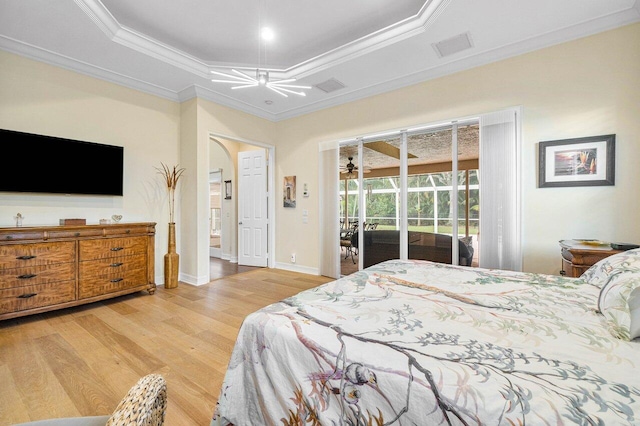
239, 223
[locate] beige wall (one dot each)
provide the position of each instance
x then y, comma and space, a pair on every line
43, 99
585, 87
210, 119
581, 88
39, 98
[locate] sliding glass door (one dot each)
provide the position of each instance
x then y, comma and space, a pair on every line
447, 193
437, 204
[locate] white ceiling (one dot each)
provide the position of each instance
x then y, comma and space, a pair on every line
169, 48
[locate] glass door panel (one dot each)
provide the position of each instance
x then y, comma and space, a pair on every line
381, 189
431, 187
349, 208
429, 195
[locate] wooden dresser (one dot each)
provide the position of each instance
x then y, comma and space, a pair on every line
54, 267
580, 255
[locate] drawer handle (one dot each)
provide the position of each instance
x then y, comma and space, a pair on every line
27, 295
117, 248
26, 276
117, 280
25, 257
77, 234
115, 265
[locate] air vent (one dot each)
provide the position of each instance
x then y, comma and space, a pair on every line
330, 85
453, 45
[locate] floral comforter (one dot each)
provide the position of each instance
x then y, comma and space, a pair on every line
421, 343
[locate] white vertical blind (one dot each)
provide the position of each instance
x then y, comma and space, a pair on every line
499, 236
329, 211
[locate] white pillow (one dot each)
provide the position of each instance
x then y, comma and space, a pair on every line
614, 304
634, 313
602, 272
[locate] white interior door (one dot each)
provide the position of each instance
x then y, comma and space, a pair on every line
252, 208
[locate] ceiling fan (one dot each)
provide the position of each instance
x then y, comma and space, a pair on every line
351, 170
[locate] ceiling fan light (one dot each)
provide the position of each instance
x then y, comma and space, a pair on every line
277, 91
262, 77
245, 86
243, 80
226, 81
233, 77
283, 89
291, 86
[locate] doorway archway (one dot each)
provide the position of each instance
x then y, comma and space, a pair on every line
230, 146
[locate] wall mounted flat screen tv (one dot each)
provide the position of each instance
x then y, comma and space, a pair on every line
46, 164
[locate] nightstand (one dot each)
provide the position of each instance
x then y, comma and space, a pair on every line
580, 255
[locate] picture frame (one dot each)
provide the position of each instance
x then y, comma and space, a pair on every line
289, 192
587, 161
227, 189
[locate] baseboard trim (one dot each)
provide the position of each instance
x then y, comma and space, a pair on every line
297, 268
190, 279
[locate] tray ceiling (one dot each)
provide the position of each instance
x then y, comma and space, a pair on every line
169, 48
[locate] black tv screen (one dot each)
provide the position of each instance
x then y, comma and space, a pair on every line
46, 164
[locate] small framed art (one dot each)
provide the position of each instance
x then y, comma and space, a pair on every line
289, 191
588, 161
227, 189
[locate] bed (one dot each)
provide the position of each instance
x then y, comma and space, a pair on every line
422, 343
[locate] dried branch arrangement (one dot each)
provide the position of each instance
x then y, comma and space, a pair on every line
171, 177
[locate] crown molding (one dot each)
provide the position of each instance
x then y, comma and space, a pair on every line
604, 23
583, 29
117, 33
196, 91
392, 34
402, 30
100, 16
52, 58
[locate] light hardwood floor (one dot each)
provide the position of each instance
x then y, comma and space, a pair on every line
82, 361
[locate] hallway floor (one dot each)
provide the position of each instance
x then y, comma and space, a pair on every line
223, 268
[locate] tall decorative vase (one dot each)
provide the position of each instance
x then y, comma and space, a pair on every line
171, 260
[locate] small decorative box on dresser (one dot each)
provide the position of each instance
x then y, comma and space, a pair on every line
580, 255
54, 267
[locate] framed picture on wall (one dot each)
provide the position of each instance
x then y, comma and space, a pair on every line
588, 161
227, 189
289, 191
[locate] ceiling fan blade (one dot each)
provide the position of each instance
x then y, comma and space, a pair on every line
386, 149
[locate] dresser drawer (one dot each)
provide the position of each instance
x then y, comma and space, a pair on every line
24, 234
112, 267
126, 231
109, 283
105, 248
36, 296
36, 254
35, 275
63, 232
